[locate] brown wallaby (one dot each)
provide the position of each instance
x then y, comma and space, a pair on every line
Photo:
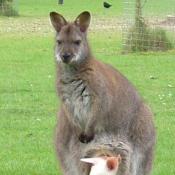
101, 112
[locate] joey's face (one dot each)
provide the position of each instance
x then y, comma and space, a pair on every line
71, 44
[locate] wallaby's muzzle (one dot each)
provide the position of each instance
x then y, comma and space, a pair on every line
66, 57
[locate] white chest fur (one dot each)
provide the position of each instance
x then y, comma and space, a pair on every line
77, 99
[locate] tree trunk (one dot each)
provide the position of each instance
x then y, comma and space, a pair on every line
138, 12
60, 1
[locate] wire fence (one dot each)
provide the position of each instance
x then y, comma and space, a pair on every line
149, 25
9, 7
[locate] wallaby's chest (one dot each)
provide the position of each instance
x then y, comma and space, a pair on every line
77, 98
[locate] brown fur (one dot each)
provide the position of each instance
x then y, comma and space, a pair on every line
98, 106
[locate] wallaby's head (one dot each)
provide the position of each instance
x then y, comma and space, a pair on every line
71, 42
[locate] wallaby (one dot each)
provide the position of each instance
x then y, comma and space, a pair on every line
100, 111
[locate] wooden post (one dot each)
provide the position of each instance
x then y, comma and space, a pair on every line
138, 12
60, 1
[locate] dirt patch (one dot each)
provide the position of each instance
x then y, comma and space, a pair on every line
168, 23
42, 25
22, 25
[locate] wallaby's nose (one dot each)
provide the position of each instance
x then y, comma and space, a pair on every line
66, 57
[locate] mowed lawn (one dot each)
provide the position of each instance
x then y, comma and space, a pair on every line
28, 101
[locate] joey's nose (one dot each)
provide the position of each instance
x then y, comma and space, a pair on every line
66, 57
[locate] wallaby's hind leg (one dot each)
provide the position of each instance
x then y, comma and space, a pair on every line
142, 162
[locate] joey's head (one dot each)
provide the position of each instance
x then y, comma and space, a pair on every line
103, 165
71, 42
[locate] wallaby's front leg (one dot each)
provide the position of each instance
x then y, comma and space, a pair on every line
62, 142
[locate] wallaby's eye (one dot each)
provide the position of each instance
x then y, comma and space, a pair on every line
77, 42
59, 42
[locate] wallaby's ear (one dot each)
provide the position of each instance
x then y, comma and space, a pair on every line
83, 21
57, 21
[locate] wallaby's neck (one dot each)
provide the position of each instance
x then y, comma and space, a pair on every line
68, 72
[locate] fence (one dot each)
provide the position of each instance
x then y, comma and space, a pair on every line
9, 7
149, 25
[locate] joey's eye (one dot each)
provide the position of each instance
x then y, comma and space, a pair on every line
77, 42
59, 42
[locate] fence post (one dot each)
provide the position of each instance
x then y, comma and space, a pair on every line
60, 1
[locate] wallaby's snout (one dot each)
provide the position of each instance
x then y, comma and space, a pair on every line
71, 42
66, 57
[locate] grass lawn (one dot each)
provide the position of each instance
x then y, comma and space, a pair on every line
28, 101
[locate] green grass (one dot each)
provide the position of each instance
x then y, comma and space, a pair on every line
160, 8
28, 101
31, 8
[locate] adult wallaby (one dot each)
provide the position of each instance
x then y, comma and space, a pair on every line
101, 111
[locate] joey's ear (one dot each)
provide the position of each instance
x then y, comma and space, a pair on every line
113, 162
57, 21
83, 21
93, 161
